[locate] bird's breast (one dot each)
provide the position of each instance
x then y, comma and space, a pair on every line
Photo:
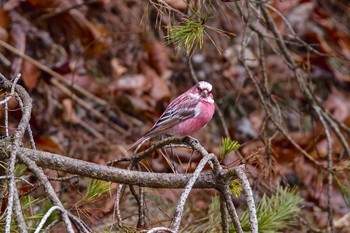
204, 113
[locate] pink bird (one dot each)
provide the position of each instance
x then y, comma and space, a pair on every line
186, 114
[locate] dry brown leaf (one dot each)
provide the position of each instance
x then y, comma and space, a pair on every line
4, 24
159, 89
4, 19
177, 4
18, 40
87, 82
138, 104
344, 43
338, 104
30, 74
12, 105
118, 69
69, 115
129, 82
71, 24
320, 150
285, 7
157, 56
231, 55
49, 144
299, 18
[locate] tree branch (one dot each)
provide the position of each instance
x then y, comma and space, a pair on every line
96, 171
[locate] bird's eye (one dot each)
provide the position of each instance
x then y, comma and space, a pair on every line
198, 88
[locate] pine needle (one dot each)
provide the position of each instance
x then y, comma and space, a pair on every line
95, 189
188, 36
228, 146
275, 213
235, 187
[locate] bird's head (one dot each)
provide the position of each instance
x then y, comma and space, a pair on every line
203, 90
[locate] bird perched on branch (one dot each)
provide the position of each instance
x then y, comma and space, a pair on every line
186, 114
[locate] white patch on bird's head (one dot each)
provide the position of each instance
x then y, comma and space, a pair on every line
202, 85
203, 91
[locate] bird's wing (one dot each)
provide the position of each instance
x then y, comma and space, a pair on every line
178, 111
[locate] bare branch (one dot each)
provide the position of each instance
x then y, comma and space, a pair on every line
12, 187
223, 210
250, 199
96, 171
330, 170
46, 216
225, 193
161, 229
48, 188
179, 209
21, 224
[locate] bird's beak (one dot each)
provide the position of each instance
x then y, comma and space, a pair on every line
204, 93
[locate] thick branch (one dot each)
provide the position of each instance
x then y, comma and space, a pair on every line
96, 171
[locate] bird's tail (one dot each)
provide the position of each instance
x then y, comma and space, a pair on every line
139, 141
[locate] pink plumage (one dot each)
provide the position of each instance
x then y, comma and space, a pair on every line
186, 114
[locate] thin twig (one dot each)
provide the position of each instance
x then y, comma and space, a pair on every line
161, 229
141, 223
48, 188
250, 199
277, 124
223, 210
116, 213
29, 129
13, 86
225, 193
21, 224
78, 223
141, 203
330, 170
333, 124
46, 217
12, 187
179, 209
306, 45
6, 117
51, 225
62, 178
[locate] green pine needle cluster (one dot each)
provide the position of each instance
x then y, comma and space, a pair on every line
95, 189
33, 210
235, 187
275, 213
228, 146
187, 36
20, 169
